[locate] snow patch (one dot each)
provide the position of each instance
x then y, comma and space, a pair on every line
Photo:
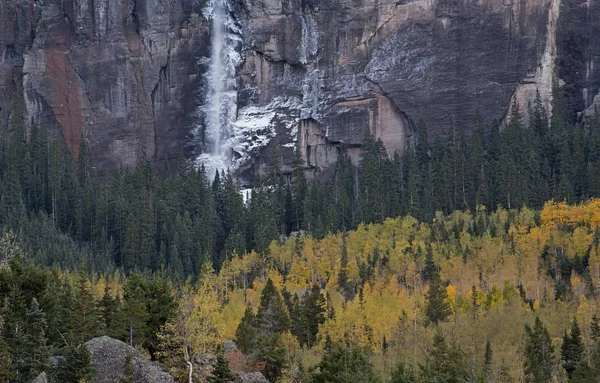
309, 44
256, 127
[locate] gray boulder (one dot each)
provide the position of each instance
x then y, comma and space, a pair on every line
42, 378
250, 377
108, 357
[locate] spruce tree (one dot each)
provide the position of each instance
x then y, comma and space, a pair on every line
538, 353
572, 349
444, 363
488, 359
403, 373
107, 307
246, 331
221, 372
77, 366
272, 316
437, 305
314, 310
595, 328
128, 372
86, 316
36, 359
344, 365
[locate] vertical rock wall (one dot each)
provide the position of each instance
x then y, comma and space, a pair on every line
128, 75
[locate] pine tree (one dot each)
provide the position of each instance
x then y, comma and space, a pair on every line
221, 372
437, 305
246, 330
272, 316
444, 363
36, 359
538, 353
488, 359
86, 317
403, 373
128, 373
595, 328
344, 365
313, 310
77, 366
133, 316
572, 349
107, 307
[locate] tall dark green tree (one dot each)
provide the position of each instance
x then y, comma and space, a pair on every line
437, 304
344, 365
572, 350
538, 353
221, 372
444, 363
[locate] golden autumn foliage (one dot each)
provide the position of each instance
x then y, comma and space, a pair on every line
510, 260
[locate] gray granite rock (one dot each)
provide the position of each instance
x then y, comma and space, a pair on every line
108, 358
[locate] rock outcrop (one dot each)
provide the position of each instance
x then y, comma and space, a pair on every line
41, 378
129, 75
108, 357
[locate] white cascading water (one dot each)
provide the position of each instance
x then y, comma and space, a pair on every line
220, 107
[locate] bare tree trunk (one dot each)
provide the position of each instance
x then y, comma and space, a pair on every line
190, 365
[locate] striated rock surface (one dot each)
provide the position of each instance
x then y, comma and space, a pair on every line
122, 73
108, 358
129, 75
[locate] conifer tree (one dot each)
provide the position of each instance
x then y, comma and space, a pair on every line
314, 310
246, 330
403, 373
344, 365
572, 349
538, 353
107, 306
77, 366
35, 360
444, 363
437, 305
128, 373
221, 372
595, 328
86, 316
488, 359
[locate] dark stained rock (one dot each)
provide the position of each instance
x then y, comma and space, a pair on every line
108, 357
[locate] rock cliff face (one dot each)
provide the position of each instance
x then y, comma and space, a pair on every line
129, 75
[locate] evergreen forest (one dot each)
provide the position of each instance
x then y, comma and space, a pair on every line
473, 257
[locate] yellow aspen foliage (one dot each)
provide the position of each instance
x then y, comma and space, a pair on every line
582, 240
594, 266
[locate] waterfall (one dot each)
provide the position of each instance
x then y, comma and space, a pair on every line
220, 106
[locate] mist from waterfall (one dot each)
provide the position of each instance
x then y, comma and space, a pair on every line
220, 107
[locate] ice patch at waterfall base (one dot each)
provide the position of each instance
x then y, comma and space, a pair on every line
256, 126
